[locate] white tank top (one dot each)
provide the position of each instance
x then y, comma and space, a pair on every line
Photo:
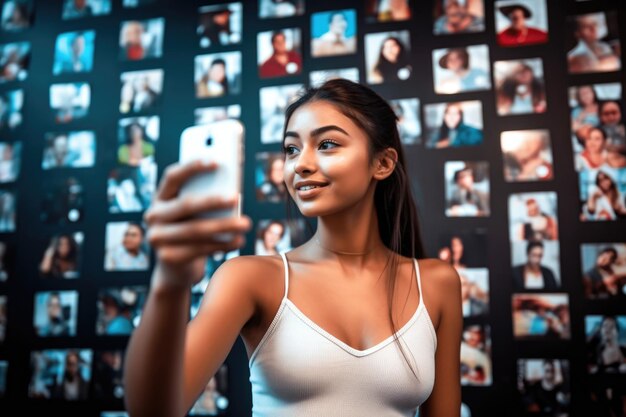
300, 370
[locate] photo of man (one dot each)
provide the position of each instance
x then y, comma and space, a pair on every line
520, 24
284, 57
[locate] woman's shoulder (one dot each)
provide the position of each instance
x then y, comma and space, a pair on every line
257, 273
438, 273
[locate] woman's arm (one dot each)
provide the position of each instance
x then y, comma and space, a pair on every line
445, 399
167, 360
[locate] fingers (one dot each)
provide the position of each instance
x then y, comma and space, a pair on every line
177, 209
182, 254
197, 231
176, 174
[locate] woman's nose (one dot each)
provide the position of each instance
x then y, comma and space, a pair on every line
306, 162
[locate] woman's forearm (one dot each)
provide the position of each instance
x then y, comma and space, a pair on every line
154, 358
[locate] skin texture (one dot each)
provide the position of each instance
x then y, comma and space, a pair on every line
169, 361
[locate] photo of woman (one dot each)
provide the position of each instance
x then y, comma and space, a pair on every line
387, 56
520, 87
454, 124
463, 69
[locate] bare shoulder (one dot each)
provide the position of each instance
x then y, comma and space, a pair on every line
254, 271
442, 287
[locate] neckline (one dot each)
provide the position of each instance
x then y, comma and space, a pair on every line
344, 345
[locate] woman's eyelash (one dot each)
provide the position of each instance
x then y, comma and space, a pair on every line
328, 141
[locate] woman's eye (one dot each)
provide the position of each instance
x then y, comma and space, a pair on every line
289, 149
328, 144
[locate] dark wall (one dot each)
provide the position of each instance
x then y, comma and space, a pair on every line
175, 108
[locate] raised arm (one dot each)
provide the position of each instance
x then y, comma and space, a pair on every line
168, 361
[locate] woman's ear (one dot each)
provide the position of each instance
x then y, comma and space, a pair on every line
385, 163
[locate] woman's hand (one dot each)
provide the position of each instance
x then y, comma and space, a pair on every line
181, 240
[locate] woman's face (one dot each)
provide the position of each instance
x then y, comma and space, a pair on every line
217, 73
608, 329
594, 141
452, 117
454, 62
605, 182
63, 247
586, 95
276, 171
524, 76
327, 161
272, 235
136, 133
391, 50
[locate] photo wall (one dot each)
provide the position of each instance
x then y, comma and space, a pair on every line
511, 114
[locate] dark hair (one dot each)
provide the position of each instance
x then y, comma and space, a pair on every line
532, 245
508, 89
395, 209
611, 250
389, 70
129, 128
444, 130
276, 34
139, 226
458, 172
595, 96
224, 82
72, 255
463, 54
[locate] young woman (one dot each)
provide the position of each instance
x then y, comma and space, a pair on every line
346, 324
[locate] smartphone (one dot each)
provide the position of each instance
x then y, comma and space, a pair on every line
220, 142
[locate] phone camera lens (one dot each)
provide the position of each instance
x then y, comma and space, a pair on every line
209, 141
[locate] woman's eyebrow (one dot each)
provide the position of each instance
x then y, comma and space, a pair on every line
318, 131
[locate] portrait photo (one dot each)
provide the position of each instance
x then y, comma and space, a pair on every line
279, 53
274, 102
467, 188
458, 16
544, 386
218, 75
520, 87
220, 25
464, 248
527, 155
55, 313
14, 61
535, 265
602, 194
17, 15
592, 43
388, 57
69, 150
62, 255
141, 39
119, 310
74, 52
108, 374
476, 368
70, 101
131, 189
10, 161
461, 69
603, 270
606, 344
11, 104
407, 111
275, 236
63, 200
75, 9
333, 33
454, 124
541, 316
60, 374
141, 90
137, 138
206, 115
269, 9
7, 211
533, 216
269, 179
126, 248
387, 10
521, 23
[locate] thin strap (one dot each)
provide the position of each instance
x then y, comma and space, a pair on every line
419, 281
282, 255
